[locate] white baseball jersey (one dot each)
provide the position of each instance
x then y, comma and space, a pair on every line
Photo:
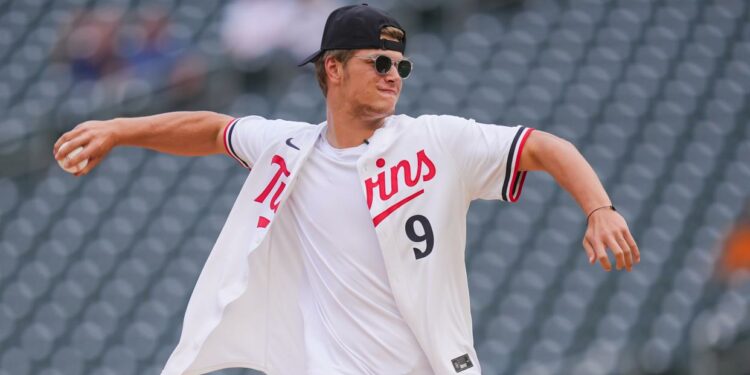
418, 175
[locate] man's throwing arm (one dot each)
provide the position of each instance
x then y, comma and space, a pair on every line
179, 133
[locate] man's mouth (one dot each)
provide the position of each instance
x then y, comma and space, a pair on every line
389, 91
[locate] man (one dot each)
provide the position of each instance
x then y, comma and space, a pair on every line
344, 253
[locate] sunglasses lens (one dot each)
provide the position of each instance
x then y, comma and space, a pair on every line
404, 68
383, 64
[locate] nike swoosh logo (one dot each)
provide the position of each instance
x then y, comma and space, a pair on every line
290, 144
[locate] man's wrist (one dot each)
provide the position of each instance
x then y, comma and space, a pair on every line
119, 129
608, 206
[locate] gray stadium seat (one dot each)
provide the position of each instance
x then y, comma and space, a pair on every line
171, 291
486, 25
120, 294
120, 360
582, 283
135, 272
15, 361
102, 315
141, 338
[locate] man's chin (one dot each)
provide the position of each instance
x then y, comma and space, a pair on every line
378, 111
388, 107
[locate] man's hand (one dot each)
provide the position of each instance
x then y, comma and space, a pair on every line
96, 137
607, 229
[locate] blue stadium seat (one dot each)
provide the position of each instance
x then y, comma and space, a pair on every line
487, 26
581, 282
495, 356
141, 338
87, 210
37, 341
119, 230
104, 316
664, 39
171, 291
482, 288
120, 360
157, 314
627, 21
120, 294
15, 360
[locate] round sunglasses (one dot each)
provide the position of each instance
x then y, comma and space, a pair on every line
383, 64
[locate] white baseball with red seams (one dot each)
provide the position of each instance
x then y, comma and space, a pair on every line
70, 156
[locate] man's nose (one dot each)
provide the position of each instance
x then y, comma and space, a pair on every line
392, 75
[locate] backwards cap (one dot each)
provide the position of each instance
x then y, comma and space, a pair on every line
357, 27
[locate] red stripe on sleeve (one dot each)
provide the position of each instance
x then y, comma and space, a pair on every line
226, 130
229, 149
514, 194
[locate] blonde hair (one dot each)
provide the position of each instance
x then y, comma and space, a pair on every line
344, 55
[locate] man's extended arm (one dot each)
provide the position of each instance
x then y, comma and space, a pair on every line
606, 228
180, 133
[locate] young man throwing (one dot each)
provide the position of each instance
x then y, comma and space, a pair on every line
344, 252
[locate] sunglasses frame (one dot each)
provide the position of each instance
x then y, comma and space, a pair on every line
393, 64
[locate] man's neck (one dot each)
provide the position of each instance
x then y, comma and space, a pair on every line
348, 130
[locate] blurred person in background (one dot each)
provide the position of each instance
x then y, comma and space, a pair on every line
188, 82
89, 44
263, 48
344, 252
154, 55
133, 48
149, 51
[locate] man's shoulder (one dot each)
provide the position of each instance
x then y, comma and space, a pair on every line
430, 122
427, 119
276, 122
277, 127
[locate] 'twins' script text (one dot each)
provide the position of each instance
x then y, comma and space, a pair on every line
274, 204
403, 173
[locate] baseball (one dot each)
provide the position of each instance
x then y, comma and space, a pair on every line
71, 155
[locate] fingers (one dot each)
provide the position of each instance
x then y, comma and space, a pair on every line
90, 151
94, 137
71, 142
617, 252
596, 252
601, 255
72, 134
589, 251
78, 136
611, 231
627, 252
63, 138
633, 247
91, 165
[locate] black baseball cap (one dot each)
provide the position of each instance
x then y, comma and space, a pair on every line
357, 27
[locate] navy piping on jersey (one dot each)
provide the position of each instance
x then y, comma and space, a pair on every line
513, 182
228, 143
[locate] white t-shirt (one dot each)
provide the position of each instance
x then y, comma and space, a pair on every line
352, 324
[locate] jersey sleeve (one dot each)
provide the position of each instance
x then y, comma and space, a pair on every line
487, 156
246, 138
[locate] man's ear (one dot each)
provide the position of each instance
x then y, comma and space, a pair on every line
334, 70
